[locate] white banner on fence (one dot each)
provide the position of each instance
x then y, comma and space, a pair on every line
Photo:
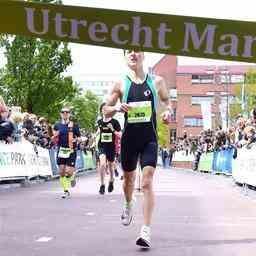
244, 166
20, 159
207, 114
180, 156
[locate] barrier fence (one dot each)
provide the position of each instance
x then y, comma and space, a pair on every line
238, 163
242, 167
219, 161
24, 160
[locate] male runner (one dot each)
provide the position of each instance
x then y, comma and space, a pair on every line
107, 127
138, 95
68, 135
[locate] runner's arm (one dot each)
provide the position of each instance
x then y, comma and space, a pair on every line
164, 97
163, 92
110, 109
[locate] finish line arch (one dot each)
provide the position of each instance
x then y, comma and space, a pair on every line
168, 34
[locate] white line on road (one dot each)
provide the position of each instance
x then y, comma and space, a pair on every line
44, 239
90, 213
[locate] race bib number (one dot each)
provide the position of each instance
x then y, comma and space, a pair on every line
106, 137
140, 112
64, 152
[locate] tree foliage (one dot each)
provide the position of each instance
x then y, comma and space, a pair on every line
33, 76
249, 95
85, 110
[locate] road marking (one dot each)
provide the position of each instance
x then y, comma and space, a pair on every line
90, 213
44, 239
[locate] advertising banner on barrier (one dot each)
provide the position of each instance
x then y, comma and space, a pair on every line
83, 161
20, 159
222, 160
169, 34
205, 163
244, 167
180, 156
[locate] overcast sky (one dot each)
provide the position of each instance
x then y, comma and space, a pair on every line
91, 60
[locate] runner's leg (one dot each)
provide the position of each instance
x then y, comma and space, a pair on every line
148, 194
111, 176
102, 169
148, 163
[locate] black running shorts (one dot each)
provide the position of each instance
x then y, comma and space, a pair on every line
108, 152
71, 161
131, 153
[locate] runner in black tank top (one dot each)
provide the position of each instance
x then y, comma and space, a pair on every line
138, 96
140, 138
107, 128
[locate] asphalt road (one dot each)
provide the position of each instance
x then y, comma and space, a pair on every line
196, 214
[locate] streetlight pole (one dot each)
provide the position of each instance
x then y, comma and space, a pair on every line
227, 83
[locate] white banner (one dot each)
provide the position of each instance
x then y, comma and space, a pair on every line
244, 166
207, 114
180, 156
20, 159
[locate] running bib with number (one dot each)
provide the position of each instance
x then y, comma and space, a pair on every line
140, 112
64, 152
106, 137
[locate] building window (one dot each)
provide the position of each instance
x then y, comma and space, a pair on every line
193, 121
237, 79
197, 100
202, 79
173, 135
173, 117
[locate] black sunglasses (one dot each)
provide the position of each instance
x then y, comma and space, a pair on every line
65, 112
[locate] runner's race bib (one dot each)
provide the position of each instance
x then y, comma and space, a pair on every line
140, 112
64, 152
106, 137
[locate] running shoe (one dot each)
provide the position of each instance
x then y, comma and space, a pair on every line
127, 215
143, 240
66, 194
102, 189
110, 186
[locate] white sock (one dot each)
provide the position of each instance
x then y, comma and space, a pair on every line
145, 227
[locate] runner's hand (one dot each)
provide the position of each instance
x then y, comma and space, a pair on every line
166, 117
124, 108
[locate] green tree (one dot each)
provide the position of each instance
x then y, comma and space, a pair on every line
85, 108
33, 76
249, 95
163, 133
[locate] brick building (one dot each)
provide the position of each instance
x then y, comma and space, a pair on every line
189, 86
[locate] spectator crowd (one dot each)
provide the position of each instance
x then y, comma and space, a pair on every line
241, 134
16, 126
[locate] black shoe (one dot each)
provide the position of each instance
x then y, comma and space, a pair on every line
110, 186
116, 173
102, 189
